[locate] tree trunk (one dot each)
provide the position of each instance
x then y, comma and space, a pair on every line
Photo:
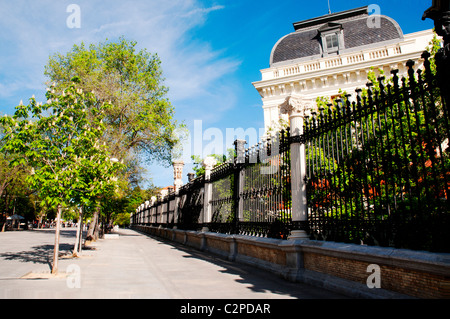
93, 227
77, 247
97, 224
56, 248
80, 242
90, 232
3, 214
7, 202
40, 226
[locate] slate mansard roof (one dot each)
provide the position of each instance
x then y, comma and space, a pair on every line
305, 42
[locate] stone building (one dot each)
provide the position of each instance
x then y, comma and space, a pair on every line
334, 53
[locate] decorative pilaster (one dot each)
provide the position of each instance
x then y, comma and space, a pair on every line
153, 201
297, 107
208, 163
147, 211
239, 146
141, 213
239, 179
177, 174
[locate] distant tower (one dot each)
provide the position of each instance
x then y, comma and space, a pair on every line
177, 174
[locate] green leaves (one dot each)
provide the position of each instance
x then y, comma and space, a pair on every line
61, 141
140, 123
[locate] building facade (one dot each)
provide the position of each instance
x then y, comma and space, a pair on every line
334, 53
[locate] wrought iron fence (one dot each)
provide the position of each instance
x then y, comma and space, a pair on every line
379, 167
377, 173
223, 198
252, 196
266, 191
190, 206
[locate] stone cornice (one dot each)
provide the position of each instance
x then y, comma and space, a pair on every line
284, 84
334, 70
358, 59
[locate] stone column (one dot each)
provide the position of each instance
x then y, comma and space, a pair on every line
141, 214
296, 107
177, 174
153, 201
208, 163
147, 211
239, 179
239, 146
177, 183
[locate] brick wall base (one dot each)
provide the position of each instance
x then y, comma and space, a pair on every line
346, 268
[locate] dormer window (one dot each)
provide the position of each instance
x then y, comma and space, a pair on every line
332, 41
332, 38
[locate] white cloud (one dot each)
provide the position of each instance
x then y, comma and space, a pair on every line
203, 11
195, 72
190, 66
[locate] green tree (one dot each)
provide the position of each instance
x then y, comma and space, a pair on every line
198, 168
433, 48
12, 187
140, 124
60, 141
12, 183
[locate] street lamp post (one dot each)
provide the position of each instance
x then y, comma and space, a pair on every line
439, 12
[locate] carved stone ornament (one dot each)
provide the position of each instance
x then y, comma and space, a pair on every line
178, 172
296, 105
209, 162
178, 169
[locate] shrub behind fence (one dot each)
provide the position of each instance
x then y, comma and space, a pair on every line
378, 167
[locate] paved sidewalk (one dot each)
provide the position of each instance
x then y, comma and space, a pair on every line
132, 266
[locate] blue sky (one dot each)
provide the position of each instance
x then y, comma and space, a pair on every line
211, 51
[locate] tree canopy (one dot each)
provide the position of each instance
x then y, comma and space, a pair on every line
140, 124
60, 141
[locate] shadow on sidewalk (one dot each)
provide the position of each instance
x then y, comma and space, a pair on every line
42, 254
257, 280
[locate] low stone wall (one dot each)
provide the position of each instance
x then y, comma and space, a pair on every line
345, 268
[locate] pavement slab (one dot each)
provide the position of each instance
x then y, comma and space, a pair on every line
131, 265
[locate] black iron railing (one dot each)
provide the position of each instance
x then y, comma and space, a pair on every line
190, 205
252, 196
379, 166
266, 191
378, 173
